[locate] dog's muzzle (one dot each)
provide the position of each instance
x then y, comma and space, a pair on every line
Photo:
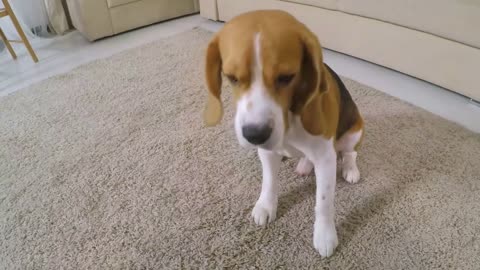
257, 134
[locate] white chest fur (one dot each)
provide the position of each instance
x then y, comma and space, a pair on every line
294, 137
288, 151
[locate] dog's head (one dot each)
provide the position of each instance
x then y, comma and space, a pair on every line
275, 66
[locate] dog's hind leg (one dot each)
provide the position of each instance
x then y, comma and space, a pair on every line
304, 167
347, 147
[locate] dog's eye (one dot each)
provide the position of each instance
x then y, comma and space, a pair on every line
284, 80
232, 79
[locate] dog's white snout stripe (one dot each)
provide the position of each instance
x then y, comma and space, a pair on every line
257, 107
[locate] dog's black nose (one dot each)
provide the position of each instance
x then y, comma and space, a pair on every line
256, 134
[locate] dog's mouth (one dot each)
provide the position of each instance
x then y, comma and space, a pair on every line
259, 127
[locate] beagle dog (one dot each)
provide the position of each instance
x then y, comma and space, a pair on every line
288, 103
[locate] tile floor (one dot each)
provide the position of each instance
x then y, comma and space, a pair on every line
72, 50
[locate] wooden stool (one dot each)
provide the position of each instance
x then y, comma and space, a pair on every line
7, 11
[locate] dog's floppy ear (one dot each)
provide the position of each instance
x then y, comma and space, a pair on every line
214, 110
312, 71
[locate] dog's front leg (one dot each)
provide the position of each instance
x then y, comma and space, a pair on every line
265, 209
324, 233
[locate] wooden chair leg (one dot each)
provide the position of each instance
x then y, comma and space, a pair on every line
20, 30
7, 44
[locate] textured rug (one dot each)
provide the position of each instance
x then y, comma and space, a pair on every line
110, 167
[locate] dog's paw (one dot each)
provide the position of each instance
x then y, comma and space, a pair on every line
304, 167
325, 239
351, 173
350, 170
264, 212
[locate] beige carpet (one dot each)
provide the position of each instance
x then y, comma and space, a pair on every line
109, 167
